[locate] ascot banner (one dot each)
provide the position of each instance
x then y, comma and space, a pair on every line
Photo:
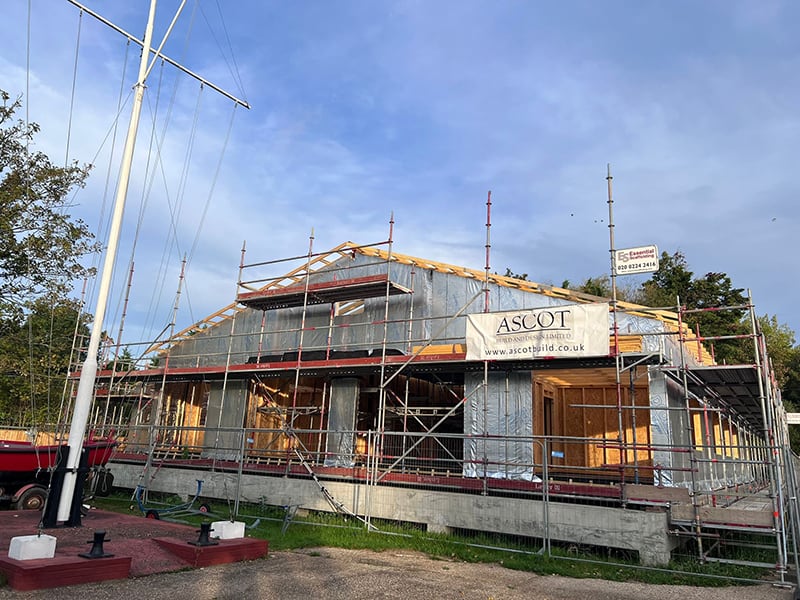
556, 331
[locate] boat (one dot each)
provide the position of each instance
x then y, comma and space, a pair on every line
25, 457
26, 469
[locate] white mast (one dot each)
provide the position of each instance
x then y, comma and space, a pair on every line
83, 400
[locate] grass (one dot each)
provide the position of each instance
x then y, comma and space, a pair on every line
315, 530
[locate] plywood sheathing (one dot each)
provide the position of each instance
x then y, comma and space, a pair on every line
583, 404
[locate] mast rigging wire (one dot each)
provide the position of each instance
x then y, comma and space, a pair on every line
235, 70
62, 416
72, 94
208, 202
157, 142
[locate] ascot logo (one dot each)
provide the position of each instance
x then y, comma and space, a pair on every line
533, 321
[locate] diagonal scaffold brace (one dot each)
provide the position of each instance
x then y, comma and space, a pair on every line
334, 503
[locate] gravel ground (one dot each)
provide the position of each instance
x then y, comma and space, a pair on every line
334, 573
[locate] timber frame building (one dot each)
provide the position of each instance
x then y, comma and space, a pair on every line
343, 381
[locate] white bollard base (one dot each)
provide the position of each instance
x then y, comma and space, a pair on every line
227, 530
28, 547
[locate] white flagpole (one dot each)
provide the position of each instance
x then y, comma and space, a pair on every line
83, 400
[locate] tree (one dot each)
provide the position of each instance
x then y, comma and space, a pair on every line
790, 393
600, 286
791, 385
35, 359
784, 356
674, 282
41, 245
123, 362
41, 248
597, 286
781, 348
510, 273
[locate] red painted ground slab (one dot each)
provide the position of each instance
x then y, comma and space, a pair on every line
226, 551
60, 571
130, 538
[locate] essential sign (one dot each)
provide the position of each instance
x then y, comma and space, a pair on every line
563, 331
636, 260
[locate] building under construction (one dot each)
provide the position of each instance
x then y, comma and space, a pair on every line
390, 387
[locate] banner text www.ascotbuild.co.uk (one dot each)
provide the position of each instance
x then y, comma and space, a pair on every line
532, 350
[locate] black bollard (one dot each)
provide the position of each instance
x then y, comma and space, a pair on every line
97, 546
203, 539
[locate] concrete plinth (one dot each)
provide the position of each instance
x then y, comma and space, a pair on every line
602, 526
29, 547
227, 530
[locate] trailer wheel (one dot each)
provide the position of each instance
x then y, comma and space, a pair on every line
204, 508
32, 499
152, 514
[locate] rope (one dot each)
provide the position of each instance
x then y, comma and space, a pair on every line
72, 95
31, 380
235, 70
102, 224
120, 104
49, 372
213, 182
207, 204
160, 279
27, 198
149, 176
66, 166
181, 195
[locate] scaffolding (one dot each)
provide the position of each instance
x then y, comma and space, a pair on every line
349, 367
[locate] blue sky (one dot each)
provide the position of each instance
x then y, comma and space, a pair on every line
361, 109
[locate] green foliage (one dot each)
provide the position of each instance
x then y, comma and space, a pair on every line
41, 245
34, 361
671, 282
123, 362
791, 382
510, 273
674, 282
597, 286
602, 288
784, 357
781, 348
41, 248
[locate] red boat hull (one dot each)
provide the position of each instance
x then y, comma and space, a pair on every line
22, 457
